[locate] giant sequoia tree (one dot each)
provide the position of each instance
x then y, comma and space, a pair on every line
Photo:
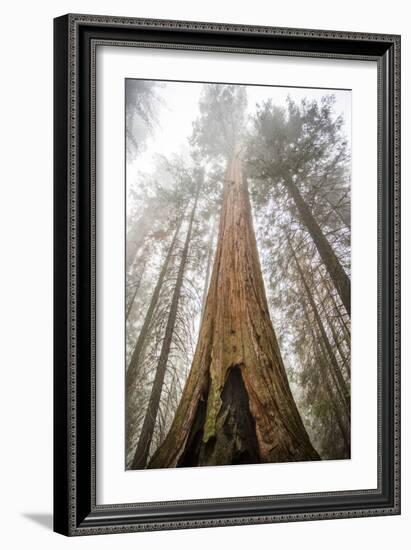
237, 405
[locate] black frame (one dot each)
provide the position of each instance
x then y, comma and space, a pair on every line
75, 40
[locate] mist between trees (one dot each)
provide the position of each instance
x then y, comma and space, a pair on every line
237, 275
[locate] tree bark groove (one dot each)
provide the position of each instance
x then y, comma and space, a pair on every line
237, 349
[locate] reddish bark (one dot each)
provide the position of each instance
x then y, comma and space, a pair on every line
237, 405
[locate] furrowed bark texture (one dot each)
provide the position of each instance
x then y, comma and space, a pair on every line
236, 406
208, 269
332, 263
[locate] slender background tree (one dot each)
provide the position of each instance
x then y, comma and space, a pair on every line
237, 277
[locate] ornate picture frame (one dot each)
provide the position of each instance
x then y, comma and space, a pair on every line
76, 39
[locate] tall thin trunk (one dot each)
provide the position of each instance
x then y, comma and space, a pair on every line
341, 213
337, 412
344, 357
135, 239
321, 361
208, 268
341, 384
337, 309
237, 406
133, 368
328, 256
331, 365
146, 435
136, 288
167, 405
337, 211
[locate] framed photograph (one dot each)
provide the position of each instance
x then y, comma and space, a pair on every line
227, 278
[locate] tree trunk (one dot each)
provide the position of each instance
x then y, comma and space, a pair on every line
337, 308
208, 268
237, 405
135, 239
337, 412
137, 285
146, 435
133, 368
321, 361
336, 336
345, 358
331, 262
339, 379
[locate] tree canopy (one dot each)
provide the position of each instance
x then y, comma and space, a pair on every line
254, 166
